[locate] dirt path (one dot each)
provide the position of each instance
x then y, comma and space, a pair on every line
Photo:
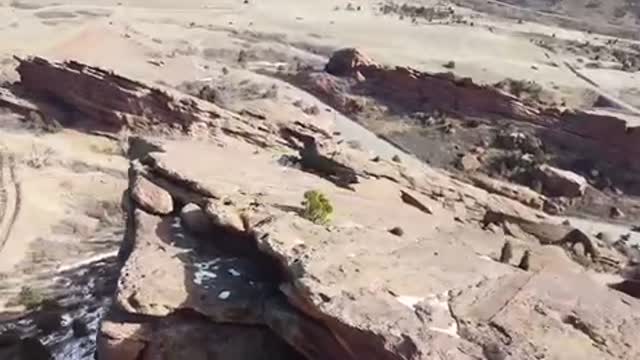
9, 197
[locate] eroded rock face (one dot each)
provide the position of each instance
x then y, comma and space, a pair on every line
412, 89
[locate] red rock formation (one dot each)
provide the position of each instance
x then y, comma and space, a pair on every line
609, 129
414, 90
106, 98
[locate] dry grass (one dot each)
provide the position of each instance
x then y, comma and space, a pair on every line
111, 148
41, 156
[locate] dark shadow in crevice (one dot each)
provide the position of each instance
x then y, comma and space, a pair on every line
631, 288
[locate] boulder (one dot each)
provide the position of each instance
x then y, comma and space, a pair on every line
469, 162
345, 62
558, 182
150, 196
194, 219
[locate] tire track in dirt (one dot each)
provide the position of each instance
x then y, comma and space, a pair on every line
9, 197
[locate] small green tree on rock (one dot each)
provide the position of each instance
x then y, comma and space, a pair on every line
317, 207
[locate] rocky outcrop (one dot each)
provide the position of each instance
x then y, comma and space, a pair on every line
219, 259
103, 96
89, 98
346, 62
469, 162
564, 183
615, 134
410, 89
239, 262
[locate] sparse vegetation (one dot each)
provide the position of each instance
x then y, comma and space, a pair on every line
413, 11
30, 298
317, 207
39, 157
521, 88
271, 93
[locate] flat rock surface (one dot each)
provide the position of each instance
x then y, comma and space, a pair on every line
436, 287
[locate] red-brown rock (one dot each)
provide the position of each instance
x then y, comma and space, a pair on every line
150, 196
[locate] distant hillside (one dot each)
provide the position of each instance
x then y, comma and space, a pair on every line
612, 17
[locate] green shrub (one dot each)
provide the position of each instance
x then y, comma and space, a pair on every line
30, 298
317, 208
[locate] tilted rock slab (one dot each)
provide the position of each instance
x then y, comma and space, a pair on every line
351, 290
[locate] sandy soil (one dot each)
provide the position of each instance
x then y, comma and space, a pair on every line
65, 202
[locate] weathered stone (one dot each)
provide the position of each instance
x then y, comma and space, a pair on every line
114, 102
150, 197
224, 216
346, 62
183, 338
526, 306
615, 213
558, 182
406, 87
195, 220
506, 253
417, 201
397, 231
122, 340
469, 162
159, 278
513, 191
351, 290
576, 236
525, 261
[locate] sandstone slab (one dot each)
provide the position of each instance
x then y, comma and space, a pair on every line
150, 196
558, 182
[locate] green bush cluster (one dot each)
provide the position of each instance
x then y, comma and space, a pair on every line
317, 207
